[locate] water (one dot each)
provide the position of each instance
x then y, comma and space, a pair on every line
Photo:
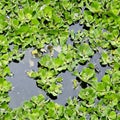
76, 27
67, 90
69, 41
24, 87
96, 61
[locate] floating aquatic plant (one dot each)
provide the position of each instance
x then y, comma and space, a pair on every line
28, 23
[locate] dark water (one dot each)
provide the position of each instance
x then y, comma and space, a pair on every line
96, 61
67, 91
75, 27
24, 87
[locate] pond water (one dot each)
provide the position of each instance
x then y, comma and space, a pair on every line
76, 27
67, 91
24, 87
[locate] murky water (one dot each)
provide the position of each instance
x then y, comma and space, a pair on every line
24, 87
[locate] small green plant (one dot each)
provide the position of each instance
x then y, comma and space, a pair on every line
30, 23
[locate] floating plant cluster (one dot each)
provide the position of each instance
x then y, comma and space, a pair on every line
44, 26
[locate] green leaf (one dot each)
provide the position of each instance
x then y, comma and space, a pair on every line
3, 22
15, 23
76, 73
112, 115
87, 74
115, 77
46, 61
92, 66
5, 86
28, 105
59, 79
106, 79
88, 94
95, 7
115, 33
105, 59
48, 12
47, 1
57, 62
88, 16
94, 117
85, 50
101, 87
72, 34
40, 99
75, 83
54, 89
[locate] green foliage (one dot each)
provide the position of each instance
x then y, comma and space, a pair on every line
27, 23
75, 83
47, 80
84, 52
87, 74
88, 94
105, 58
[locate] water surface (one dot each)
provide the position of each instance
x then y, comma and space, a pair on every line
24, 87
